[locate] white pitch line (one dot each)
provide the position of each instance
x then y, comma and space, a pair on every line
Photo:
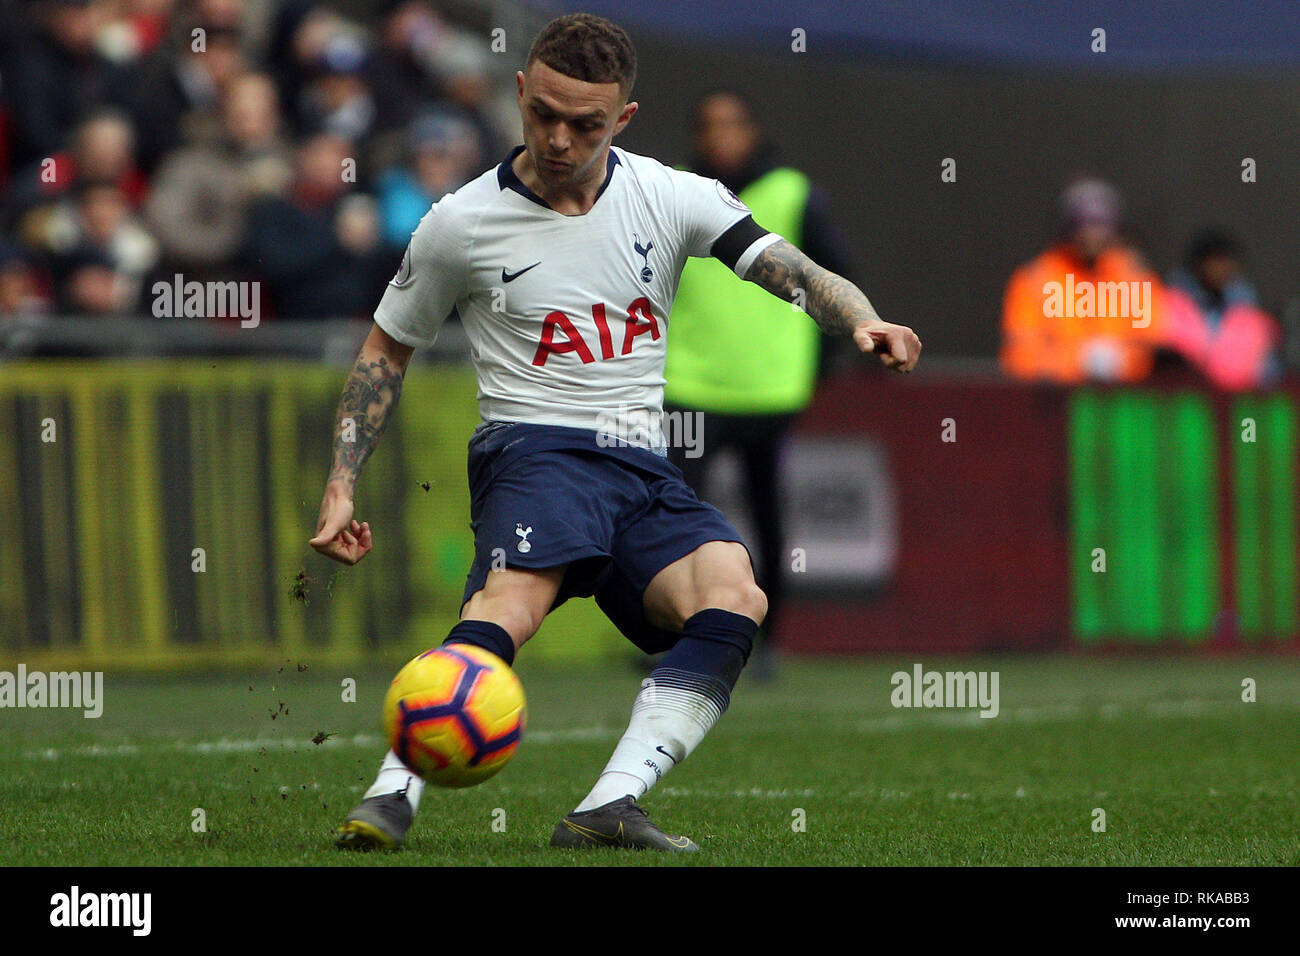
227, 745
919, 718
904, 719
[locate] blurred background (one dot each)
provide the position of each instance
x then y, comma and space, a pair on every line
1049, 479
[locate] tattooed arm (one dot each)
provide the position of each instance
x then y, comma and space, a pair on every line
834, 303
368, 400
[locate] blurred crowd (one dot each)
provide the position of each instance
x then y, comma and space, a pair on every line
255, 140
1090, 309
281, 142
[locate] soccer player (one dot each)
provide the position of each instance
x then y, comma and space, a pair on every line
562, 263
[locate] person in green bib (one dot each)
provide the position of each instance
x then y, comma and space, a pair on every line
746, 361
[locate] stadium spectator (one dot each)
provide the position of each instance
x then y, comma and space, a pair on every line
443, 153
337, 99
409, 39
132, 29
122, 93
319, 248
103, 150
423, 60
301, 33
1087, 308
230, 14
201, 195
56, 76
99, 219
464, 71
89, 286
20, 286
180, 90
1215, 321
750, 399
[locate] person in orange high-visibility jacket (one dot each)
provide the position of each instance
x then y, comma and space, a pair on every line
1087, 308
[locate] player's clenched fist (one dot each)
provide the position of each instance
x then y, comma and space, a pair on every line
897, 345
339, 536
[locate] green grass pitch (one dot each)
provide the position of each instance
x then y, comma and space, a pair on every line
1186, 772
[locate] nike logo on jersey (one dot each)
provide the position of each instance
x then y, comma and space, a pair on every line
512, 276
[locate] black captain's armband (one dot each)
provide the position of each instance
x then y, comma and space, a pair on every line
731, 245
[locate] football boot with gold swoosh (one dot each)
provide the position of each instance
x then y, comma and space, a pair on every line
620, 824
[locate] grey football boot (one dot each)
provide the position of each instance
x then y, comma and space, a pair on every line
621, 824
377, 823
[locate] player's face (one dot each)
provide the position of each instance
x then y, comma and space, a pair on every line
568, 124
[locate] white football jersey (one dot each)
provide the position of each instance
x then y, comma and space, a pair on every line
567, 316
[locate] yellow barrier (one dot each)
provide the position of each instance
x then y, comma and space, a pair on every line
157, 517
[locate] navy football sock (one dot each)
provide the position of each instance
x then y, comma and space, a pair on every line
714, 643
484, 634
679, 702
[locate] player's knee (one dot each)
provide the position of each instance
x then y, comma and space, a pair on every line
755, 603
745, 598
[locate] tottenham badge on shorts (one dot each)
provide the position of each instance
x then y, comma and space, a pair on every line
524, 544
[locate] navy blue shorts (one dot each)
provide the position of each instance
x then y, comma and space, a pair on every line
548, 495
